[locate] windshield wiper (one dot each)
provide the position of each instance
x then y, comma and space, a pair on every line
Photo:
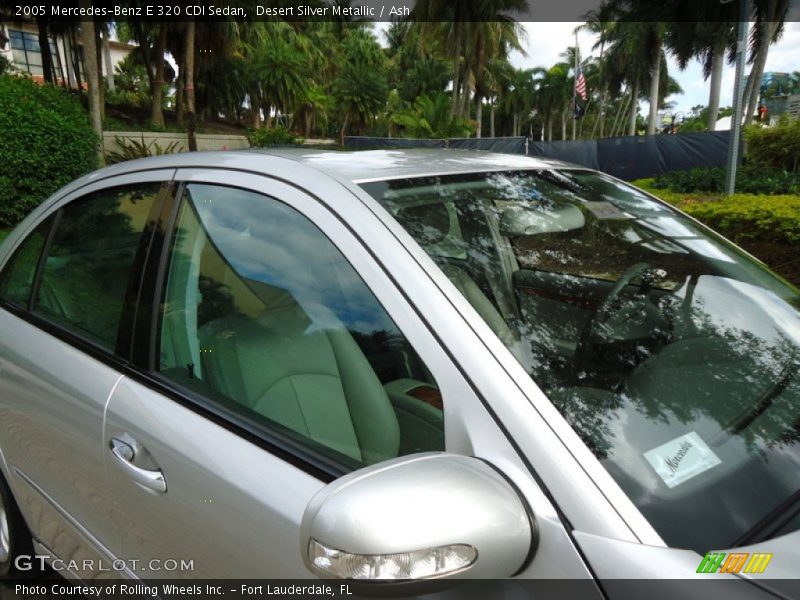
772, 523
746, 418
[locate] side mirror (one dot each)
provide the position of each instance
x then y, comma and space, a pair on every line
518, 220
429, 515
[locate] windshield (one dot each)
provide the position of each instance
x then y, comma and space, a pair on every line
672, 353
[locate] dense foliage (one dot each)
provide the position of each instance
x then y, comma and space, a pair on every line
130, 149
775, 148
748, 216
275, 136
47, 142
752, 178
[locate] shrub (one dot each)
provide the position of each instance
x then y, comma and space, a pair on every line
47, 142
5, 65
775, 148
132, 149
750, 179
278, 135
741, 216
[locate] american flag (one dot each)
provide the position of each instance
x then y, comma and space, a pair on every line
580, 84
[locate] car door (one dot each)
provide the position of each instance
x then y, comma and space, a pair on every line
63, 293
279, 356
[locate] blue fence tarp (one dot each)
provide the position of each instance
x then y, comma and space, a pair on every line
631, 157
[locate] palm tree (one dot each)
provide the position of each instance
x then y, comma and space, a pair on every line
495, 84
600, 22
459, 28
280, 69
708, 38
492, 41
638, 42
151, 38
360, 88
629, 57
553, 92
90, 65
188, 80
770, 16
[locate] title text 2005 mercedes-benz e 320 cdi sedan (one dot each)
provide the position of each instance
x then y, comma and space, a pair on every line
391, 365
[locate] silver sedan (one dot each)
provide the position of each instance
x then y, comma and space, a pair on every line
390, 365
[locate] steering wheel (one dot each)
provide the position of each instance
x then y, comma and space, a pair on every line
607, 308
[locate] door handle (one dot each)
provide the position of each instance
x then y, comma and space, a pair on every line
124, 453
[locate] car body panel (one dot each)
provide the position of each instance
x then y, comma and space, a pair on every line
222, 487
51, 417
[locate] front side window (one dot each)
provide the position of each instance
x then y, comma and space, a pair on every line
86, 272
266, 318
674, 355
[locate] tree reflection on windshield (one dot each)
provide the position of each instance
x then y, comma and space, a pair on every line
647, 331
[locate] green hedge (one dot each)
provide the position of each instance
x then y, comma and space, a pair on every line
275, 136
47, 142
750, 179
775, 148
774, 219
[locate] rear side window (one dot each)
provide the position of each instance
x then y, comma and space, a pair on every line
85, 275
16, 282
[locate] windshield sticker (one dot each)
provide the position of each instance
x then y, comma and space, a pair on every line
605, 210
681, 459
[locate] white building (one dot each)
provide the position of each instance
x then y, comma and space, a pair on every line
19, 44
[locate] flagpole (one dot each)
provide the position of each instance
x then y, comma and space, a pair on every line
575, 89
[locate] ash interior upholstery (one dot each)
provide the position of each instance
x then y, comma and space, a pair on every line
313, 380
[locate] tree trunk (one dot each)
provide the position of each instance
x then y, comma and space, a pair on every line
342, 131
655, 76
514, 125
491, 120
189, 82
90, 65
456, 66
478, 114
715, 83
754, 81
634, 108
255, 109
564, 124
107, 58
618, 118
267, 115
180, 94
68, 60
550, 127
604, 94
47, 56
466, 90
75, 58
101, 90
157, 89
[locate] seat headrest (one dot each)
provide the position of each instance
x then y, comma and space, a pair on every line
429, 224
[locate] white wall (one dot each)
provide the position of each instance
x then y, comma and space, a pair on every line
204, 141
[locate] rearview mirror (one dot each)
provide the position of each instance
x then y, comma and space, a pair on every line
418, 517
518, 220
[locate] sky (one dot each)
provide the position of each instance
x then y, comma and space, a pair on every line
545, 41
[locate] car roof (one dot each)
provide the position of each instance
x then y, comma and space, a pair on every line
374, 165
355, 166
